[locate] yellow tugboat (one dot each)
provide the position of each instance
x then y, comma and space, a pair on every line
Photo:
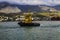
27, 21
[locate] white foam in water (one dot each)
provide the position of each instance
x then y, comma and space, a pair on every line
41, 25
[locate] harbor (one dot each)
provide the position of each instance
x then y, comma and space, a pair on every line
29, 20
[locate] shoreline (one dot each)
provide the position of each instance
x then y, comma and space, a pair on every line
32, 21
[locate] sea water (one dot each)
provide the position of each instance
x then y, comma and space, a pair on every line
46, 31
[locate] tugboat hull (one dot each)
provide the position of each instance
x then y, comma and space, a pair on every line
28, 24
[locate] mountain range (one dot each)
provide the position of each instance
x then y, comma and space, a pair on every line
25, 8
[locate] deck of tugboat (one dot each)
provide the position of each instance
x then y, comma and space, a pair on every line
29, 24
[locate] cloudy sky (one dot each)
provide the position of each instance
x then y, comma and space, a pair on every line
34, 2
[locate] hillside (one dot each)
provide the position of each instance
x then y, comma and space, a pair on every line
33, 8
10, 9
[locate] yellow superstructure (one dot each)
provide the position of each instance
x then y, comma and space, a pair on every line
27, 18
